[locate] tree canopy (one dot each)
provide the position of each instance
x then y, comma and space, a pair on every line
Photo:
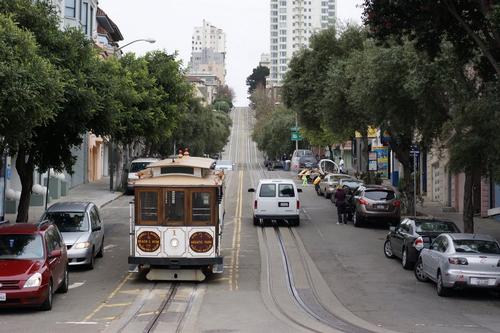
257, 78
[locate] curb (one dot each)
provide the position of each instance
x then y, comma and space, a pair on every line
110, 201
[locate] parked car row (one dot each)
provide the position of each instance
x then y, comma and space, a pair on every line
435, 249
438, 251
35, 258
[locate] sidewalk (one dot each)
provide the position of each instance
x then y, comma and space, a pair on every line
97, 192
487, 226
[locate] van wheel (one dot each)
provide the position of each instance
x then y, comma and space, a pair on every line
328, 196
255, 221
295, 222
47, 304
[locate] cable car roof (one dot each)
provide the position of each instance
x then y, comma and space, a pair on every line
213, 180
185, 161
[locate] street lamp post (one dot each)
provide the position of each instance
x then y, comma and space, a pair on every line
149, 40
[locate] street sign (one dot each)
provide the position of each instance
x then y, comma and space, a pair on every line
296, 136
414, 150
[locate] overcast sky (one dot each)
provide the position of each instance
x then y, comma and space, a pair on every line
171, 23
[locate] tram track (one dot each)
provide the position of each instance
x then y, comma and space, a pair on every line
307, 298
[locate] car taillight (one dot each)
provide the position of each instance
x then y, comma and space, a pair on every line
458, 261
396, 203
363, 201
298, 204
255, 204
418, 243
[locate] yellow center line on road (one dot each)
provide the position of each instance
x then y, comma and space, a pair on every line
116, 305
233, 271
113, 293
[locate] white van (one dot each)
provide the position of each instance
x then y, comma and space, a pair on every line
297, 154
276, 199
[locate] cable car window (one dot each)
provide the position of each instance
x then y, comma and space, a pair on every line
174, 207
177, 169
148, 206
201, 213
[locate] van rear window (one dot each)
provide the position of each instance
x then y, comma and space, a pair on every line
267, 191
286, 191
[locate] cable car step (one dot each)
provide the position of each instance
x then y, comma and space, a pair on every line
133, 268
163, 274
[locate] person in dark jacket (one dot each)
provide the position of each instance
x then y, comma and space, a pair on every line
340, 203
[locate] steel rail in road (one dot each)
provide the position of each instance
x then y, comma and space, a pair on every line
312, 306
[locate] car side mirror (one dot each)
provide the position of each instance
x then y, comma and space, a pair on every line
97, 228
299, 190
55, 254
251, 190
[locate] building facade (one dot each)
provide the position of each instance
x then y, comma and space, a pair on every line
293, 22
208, 52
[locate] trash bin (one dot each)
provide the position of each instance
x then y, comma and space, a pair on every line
286, 166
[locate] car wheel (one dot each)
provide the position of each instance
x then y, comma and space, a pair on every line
328, 195
404, 259
440, 288
63, 288
100, 254
388, 249
47, 304
356, 220
419, 271
91, 264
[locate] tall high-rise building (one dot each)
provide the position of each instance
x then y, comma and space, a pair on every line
208, 51
293, 22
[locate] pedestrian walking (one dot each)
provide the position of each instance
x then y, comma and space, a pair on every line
304, 179
340, 203
341, 165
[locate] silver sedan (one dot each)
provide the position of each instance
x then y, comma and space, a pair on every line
460, 261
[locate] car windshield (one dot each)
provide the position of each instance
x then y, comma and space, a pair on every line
435, 226
380, 195
476, 246
138, 166
68, 221
18, 246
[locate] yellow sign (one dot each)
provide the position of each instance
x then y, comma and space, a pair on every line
372, 133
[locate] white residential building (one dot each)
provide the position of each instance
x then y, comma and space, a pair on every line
208, 51
293, 22
80, 14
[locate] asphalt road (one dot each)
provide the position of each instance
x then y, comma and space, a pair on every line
354, 279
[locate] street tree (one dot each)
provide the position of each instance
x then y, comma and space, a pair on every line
225, 94
472, 29
31, 88
472, 26
174, 95
257, 79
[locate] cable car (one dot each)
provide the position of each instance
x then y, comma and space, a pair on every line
176, 219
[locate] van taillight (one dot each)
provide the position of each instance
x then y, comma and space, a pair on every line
298, 204
396, 203
363, 202
255, 204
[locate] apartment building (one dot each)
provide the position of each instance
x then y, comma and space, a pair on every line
208, 51
293, 22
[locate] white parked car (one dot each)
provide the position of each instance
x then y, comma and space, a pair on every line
224, 165
136, 166
276, 199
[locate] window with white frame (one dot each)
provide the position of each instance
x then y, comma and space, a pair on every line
84, 17
70, 8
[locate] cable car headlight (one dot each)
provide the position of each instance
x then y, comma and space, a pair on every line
174, 242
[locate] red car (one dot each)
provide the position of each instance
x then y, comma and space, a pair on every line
33, 264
